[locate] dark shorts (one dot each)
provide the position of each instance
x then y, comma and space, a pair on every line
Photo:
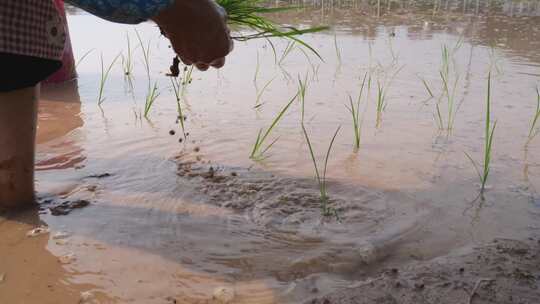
19, 72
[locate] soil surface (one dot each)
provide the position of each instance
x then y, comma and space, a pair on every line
504, 271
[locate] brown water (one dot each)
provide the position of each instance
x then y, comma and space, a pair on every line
160, 226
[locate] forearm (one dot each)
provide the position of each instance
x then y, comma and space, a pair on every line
130, 12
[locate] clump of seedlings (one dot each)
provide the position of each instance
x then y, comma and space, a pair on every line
354, 110
104, 76
249, 13
533, 131
489, 131
258, 150
321, 176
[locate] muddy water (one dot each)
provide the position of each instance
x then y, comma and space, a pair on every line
199, 222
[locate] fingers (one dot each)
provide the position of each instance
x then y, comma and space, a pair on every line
202, 66
218, 63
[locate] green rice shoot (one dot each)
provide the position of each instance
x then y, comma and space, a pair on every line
354, 109
176, 88
489, 131
261, 92
338, 50
534, 130
321, 177
257, 152
104, 76
127, 61
152, 91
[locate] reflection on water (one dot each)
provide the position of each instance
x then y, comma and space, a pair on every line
184, 219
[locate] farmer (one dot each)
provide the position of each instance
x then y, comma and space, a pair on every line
32, 38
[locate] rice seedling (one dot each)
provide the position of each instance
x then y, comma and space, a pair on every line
176, 88
354, 109
449, 88
152, 90
249, 13
302, 88
288, 49
450, 98
382, 92
261, 92
127, 62
187, 78
321, 177
488, 143
151, 97
338, 50
104, 76
533, 130
74, 67
257, 67
257, 152
426, 86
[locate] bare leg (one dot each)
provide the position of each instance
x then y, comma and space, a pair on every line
18, 115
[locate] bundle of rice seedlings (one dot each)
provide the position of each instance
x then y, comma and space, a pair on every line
250, 14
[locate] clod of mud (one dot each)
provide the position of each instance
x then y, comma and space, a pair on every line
172, 132
223, 295
86, 297
175, 70
38, 231
102, 175
66, 207
67, 258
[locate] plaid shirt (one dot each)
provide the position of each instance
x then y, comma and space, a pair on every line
32, 28
35, 28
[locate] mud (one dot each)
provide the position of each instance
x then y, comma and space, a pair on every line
200, 222
503, 271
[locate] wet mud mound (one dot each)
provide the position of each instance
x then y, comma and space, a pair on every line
504, 271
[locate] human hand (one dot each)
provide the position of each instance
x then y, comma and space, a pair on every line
198, 32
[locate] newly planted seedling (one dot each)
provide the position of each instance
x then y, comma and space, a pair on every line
152, 91
489, 131
427, 87
338, 50
127, 61
261, 92
175, 82
354, 109
257, 153
321, 176
104, 76
533, 131
302, 88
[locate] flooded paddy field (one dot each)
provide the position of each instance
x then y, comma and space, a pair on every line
135, 209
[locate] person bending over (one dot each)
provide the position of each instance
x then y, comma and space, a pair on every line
32, 38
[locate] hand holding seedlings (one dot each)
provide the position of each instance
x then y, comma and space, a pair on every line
198, 32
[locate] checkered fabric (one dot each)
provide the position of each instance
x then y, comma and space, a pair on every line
32, 28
